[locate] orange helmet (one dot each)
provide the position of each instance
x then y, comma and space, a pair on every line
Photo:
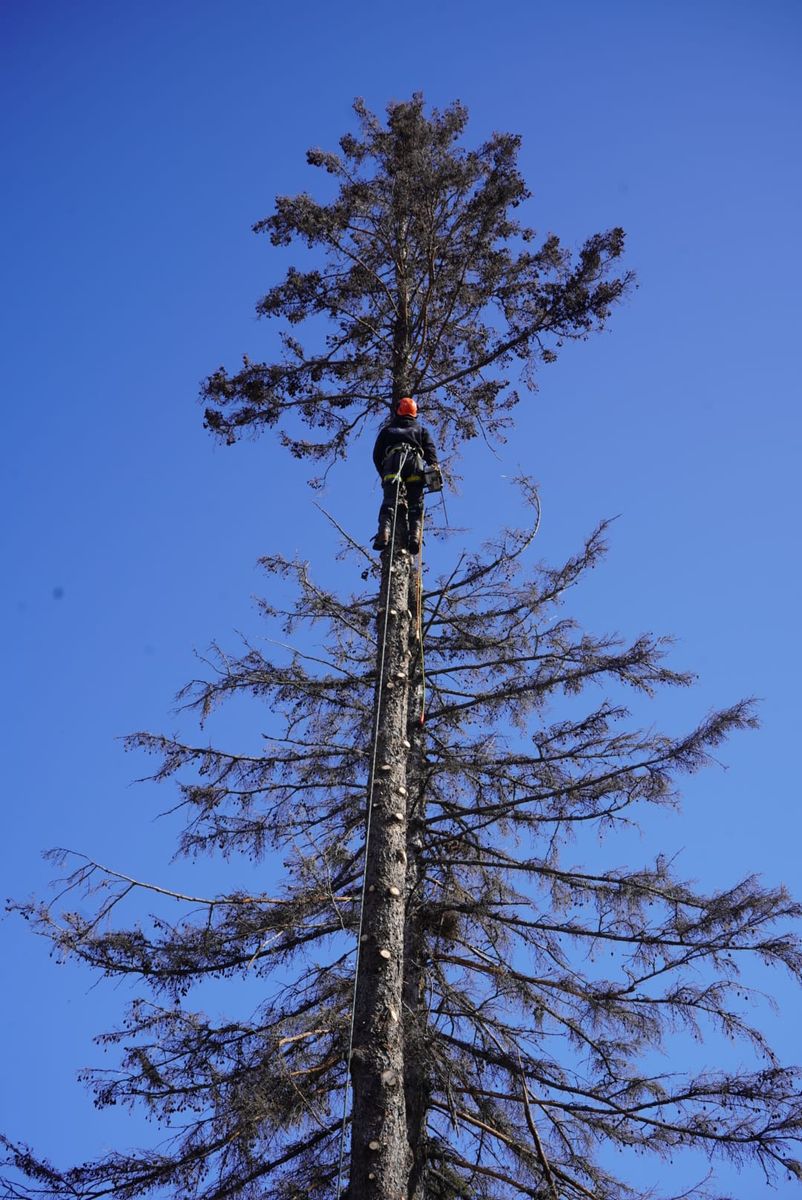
406, 407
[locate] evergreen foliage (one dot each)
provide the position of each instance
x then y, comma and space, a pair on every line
536, 990
427, 284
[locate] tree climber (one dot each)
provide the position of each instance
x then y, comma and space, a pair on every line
403, 448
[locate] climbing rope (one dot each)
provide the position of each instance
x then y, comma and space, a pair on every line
419, 607
422, 718
382, 652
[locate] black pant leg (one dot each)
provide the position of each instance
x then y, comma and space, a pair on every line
389, 490
415, 502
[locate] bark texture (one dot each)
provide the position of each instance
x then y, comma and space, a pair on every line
380, 1152
416, 1090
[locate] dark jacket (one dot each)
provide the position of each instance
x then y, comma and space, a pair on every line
404, 431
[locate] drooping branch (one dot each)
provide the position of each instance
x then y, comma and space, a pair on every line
519, 1019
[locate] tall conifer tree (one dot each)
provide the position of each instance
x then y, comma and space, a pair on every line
489, 1054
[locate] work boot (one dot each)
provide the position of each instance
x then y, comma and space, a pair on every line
382, 538
413, 538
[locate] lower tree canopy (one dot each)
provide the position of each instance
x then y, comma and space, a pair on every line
544, 988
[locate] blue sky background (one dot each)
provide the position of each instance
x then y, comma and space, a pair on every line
139, 144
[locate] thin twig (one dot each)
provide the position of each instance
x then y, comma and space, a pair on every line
346, 535
210, 901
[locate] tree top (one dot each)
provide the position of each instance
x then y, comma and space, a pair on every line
419, 281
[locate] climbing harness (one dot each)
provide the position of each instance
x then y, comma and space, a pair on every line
346, 1089
392, 472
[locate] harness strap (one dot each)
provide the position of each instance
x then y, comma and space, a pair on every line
404, 454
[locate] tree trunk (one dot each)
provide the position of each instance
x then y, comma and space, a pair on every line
380, 1152
416, 1088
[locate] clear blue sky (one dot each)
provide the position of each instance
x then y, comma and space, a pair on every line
139, 143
